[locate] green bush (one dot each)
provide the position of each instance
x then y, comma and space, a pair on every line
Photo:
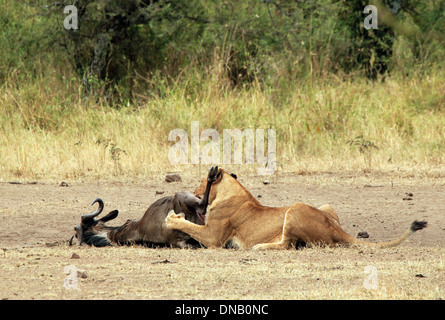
128, 49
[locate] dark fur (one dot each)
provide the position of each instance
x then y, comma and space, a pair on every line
150, 230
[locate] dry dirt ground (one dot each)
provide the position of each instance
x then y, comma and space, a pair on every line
36, 221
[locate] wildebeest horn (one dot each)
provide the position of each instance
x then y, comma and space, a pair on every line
90, 216
71, 240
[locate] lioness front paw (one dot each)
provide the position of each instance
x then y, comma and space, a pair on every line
172, 219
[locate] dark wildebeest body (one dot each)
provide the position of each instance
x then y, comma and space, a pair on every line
150, 230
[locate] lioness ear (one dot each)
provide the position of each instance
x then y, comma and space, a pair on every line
234, 175
219, 175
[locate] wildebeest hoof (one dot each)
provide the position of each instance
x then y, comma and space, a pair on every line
212, 174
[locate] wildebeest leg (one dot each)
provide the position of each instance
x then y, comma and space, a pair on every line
203, 234
210, 179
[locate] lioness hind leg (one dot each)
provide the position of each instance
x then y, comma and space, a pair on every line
303, 223
285, 242
281, 245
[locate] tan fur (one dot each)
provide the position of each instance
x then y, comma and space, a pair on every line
234, 214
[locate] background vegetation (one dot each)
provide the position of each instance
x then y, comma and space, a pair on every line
100, 101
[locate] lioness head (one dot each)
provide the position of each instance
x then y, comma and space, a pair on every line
224, 182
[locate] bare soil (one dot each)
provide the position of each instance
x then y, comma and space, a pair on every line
36, 221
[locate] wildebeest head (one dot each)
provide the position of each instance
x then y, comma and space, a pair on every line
92, 231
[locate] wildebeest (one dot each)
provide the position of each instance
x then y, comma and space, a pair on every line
151, 228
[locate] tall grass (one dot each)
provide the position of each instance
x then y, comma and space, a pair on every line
50, 130
46, 135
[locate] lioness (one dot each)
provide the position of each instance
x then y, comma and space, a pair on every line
234, 214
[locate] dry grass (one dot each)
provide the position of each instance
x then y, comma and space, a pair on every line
44, 137
49, 129
137, 273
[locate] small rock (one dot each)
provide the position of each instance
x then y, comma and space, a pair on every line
63, 184
247, 260
363, 234
409, 196
266, 182
419, 275
163, 261
159, 192
173, 177
82, 274
52, 244
75, 256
